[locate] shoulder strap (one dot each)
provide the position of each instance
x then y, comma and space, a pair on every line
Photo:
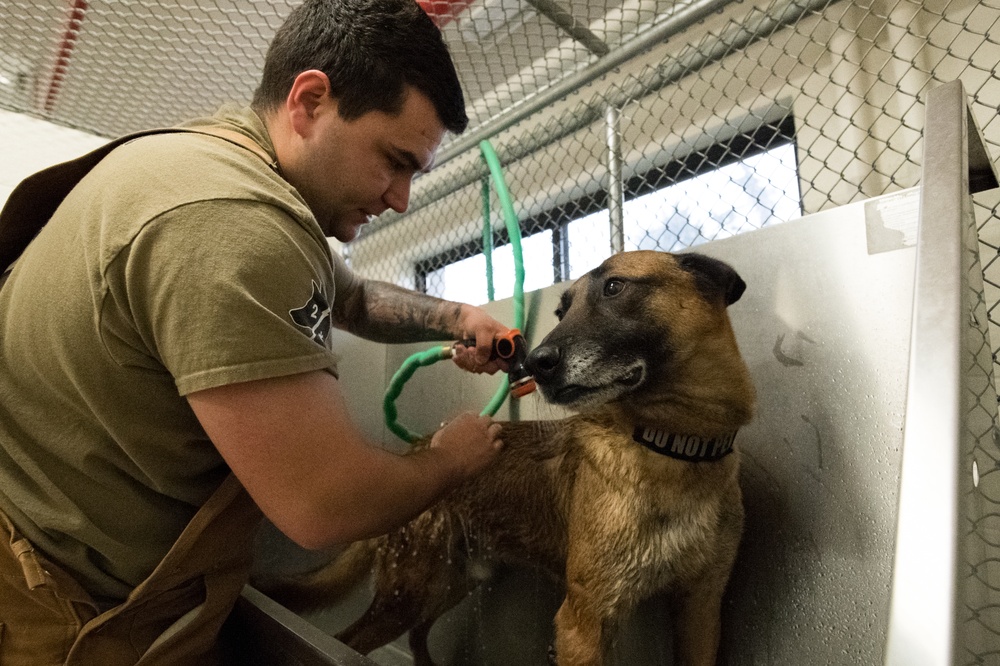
36, 198
241, 140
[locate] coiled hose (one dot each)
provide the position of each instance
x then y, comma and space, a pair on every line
440, 353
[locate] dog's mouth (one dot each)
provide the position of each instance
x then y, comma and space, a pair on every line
570, 394
609, 387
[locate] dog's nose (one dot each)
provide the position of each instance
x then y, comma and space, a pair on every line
543, 361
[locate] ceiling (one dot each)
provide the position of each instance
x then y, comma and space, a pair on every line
115, 66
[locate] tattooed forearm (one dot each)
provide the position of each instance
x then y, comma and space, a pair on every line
383, 312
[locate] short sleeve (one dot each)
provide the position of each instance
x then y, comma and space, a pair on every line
221, 292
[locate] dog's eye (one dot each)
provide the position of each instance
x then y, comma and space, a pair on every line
559, 314
613, 287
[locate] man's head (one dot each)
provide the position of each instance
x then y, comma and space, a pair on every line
357, 96
371, 51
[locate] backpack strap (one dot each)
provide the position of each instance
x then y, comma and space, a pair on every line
36, 198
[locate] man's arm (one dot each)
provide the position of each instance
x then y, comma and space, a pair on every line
383, 312
291, 442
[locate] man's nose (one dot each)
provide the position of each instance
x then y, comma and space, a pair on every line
397, 196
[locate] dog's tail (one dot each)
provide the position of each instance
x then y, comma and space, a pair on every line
324, 586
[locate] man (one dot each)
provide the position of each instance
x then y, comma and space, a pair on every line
164, 345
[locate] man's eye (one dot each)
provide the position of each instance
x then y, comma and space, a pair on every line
613, 287
396, 162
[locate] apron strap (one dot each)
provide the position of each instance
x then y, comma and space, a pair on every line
174, 616
36, 198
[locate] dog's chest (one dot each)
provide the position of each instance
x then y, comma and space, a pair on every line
652, 520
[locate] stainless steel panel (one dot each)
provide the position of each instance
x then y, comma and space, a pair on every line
824, 327
950, 369
261, 632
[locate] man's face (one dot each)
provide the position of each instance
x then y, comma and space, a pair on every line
352, 171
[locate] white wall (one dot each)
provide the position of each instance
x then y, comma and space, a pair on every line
30, 144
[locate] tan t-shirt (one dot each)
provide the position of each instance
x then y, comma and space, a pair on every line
180, 263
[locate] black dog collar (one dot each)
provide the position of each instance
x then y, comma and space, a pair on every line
691, 448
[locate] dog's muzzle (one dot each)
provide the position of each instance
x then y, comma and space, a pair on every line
583, 376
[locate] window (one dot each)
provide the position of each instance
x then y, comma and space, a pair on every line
465, 280
743, 184
747, 183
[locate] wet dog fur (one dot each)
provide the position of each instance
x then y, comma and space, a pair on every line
644, 340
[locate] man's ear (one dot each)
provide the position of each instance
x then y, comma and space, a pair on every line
309, 94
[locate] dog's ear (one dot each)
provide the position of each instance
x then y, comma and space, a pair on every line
714, 278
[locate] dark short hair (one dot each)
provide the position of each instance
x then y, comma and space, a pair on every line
370, 50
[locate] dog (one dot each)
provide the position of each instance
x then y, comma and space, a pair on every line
634, 494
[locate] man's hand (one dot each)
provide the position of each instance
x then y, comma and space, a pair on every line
471, 441
477, 325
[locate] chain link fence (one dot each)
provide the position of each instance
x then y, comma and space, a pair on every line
643, 124
979, 489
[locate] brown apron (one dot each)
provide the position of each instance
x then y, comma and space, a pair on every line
174, 616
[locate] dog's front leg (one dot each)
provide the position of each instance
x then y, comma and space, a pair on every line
580, 639
698, 626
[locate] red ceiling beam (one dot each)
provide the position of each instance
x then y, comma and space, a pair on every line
443, 12
74, 18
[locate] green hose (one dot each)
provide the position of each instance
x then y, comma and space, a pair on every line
488, 240
513, 229
439, 353
402, 375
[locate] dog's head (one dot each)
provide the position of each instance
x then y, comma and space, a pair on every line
626, 327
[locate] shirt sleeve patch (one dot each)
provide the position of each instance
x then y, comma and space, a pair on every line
314, 317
